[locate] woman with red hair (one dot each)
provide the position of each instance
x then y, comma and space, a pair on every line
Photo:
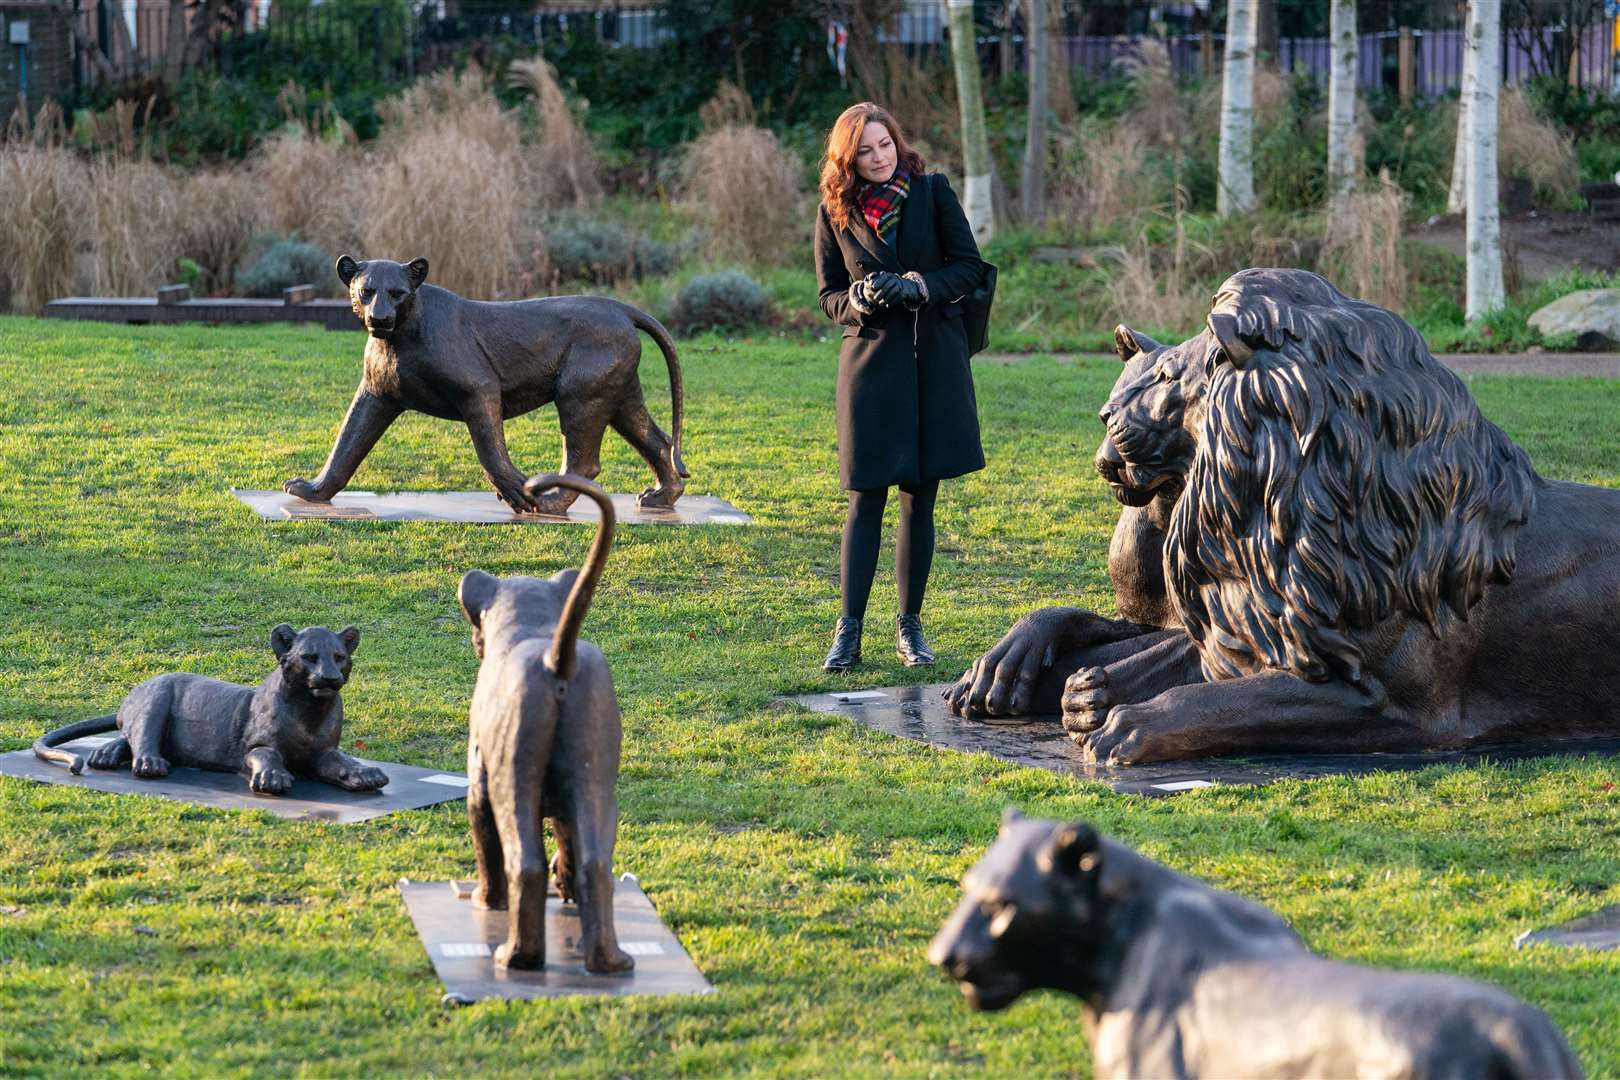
894, 258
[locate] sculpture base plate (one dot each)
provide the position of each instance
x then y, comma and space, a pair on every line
409, 787
479, 508
461, 940
919, 713
1599, 930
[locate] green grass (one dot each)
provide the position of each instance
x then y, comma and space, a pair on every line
803, 861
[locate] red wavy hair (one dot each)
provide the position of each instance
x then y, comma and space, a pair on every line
839, 180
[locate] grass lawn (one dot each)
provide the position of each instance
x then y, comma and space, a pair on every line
803, 861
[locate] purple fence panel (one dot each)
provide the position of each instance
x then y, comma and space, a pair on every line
1439, 62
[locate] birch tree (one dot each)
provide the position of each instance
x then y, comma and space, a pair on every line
977, 198
1459, 156
1034, 184
1485, 289
1236, 187
1342, 104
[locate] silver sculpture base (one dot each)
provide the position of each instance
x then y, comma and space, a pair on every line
461, 940
479, 508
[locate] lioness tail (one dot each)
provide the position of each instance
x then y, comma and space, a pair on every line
677, 394
45, 746
560, 658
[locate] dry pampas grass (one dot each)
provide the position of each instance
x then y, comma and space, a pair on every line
222, 213
42, 222
565, 165
1361, 253
134, 217
1529, 146
748, 192
306, 187
1171, 296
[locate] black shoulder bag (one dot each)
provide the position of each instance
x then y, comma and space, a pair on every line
976, 309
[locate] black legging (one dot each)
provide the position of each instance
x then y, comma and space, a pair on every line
914, 546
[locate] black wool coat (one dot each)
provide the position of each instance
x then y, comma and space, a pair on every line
906, 410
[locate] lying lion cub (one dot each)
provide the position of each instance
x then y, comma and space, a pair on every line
1182, 980
289, 725
543, 742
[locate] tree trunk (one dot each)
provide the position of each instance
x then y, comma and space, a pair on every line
1342, 104
1456, 195
1034, 183
1059, 88
1267, 33
976, 185
1485, 289
1236, 189
174, 44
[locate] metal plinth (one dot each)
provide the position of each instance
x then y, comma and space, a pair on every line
480, 507
461, 940
1599, 930
409, 787
919, 713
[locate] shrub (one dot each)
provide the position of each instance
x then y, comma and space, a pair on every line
286, 263
1532, 147
749, 194
1361, 251
42, 221
729, 300
604, 252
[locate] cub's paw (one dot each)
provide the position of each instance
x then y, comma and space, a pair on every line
607, 959
113, 755
490, 896
270, 781
509, 956
150, 766
359, 777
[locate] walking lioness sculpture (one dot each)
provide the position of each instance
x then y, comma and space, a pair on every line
1177, 979
543, 742
289, 725
483, 362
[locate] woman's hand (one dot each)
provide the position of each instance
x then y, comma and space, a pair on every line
895, 289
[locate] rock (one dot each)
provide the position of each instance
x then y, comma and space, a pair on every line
1592, 315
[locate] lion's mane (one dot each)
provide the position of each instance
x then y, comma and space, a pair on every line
1342, 476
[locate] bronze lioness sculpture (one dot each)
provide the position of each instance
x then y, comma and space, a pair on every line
1177, 979
289, 725
1361, 560
543, 742
483, 362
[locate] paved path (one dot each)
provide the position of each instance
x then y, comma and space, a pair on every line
1597, 365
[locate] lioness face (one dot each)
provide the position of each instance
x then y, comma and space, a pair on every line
1148, 448
1025, 913
382, 291
315, 660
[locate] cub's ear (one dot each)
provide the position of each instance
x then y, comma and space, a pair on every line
1128, 343
565, 578
1225, 328
1009, 817
416, 270
476, 591
347, 268
351, 638
281, 639
1075, 847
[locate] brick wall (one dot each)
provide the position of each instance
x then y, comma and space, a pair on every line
50, 56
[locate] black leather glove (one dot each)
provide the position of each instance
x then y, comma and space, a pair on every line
880, 287
900, 290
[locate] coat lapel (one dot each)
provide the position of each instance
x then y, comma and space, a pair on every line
864, 236
911, 235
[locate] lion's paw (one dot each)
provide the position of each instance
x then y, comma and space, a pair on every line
608, 959
658, 498
509, 956
150, 766
1125, 739
362, 778
271, 781
299, 488
1087, 697
111, 755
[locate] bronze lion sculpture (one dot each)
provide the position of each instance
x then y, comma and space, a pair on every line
1177, 979
482, 363
1361, 560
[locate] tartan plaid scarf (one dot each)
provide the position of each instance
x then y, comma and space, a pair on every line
880, 203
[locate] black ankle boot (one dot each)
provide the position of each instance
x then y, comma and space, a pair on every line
909, 643
846, 647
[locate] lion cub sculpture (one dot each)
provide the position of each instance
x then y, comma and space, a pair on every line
543, 742
1181, 980
289, 725
482, 363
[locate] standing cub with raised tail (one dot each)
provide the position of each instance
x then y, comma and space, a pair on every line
543, 742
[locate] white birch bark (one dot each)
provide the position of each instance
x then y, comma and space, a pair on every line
1455, 195
1342, 104
1485, 289
1034, 183
977, 198
1236, 182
